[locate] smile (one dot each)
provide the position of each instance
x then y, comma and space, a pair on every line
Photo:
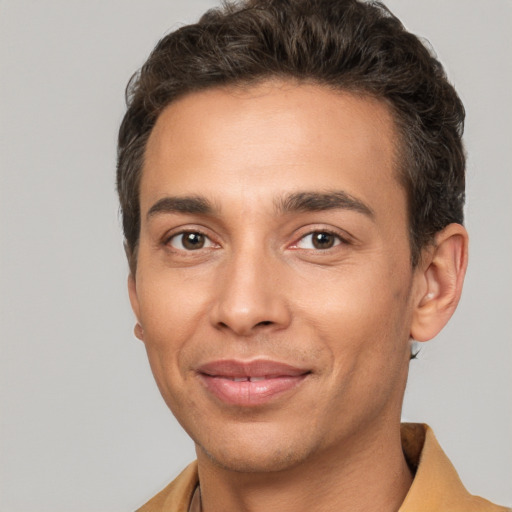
250, 383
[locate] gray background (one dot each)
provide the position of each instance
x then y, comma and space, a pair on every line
83, 427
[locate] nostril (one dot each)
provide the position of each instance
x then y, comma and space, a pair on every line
265, 322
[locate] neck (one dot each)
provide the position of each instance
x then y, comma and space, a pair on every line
365, 474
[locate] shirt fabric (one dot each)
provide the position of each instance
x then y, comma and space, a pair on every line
436, 486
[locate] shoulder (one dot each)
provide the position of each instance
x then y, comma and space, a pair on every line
177, 495
436, 485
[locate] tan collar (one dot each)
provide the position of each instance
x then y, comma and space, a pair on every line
436, 485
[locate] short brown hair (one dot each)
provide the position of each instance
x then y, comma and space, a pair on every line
347, 45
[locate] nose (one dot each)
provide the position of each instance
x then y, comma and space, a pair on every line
251, 296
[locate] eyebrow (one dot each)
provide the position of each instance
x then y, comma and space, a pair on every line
296, 202
187, 204
318, 201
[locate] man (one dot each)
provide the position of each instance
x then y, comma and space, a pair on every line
291, 177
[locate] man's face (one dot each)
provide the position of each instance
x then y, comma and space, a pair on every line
274, 245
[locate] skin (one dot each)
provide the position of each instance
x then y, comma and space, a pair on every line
260, 288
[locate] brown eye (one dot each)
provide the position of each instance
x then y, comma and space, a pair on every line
190, 241
323, 240
319, 240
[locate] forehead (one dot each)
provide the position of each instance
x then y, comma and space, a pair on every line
270, 139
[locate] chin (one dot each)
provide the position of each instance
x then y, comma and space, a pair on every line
257, 448
254, 460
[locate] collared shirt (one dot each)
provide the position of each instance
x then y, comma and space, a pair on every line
436, 486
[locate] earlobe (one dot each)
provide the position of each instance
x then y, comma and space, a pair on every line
440, 280
134, 301
138, 331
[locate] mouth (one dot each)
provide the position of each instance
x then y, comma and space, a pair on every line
250, 383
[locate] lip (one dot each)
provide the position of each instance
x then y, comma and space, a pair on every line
250, 383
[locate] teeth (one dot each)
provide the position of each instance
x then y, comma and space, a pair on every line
250, 379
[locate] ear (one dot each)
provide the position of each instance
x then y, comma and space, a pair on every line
439, 278
134, 301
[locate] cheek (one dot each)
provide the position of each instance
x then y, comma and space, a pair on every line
169, 323
169, 307
364, 322
169, 314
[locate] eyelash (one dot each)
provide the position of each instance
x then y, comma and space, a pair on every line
339, 240
168, 240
